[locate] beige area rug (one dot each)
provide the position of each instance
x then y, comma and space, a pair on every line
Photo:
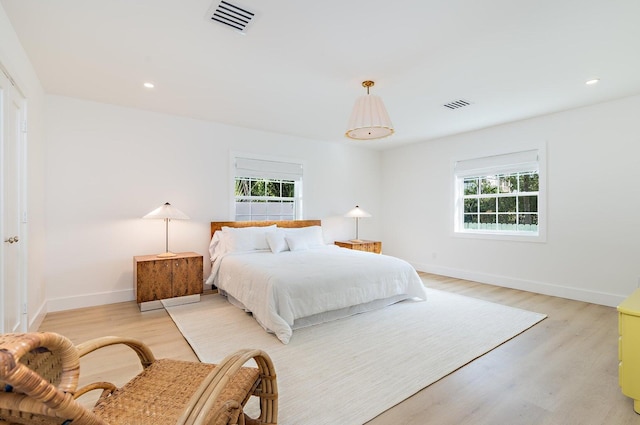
349, 371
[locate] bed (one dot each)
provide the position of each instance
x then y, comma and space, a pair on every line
285, 274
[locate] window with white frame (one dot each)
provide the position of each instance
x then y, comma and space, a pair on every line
500, 195
266, 189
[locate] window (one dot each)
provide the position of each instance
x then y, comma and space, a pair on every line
499, 195
504, 202
267, 189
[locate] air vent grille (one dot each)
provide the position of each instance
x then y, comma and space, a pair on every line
232, 16
457, 104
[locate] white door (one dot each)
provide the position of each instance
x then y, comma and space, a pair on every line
12, 139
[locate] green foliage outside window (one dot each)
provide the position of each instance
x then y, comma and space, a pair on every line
501, 202
264, 199
264, 188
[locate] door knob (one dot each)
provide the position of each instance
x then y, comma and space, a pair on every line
12, 239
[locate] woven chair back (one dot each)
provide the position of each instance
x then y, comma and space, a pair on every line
38, 375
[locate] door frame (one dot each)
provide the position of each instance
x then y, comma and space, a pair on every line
8, 95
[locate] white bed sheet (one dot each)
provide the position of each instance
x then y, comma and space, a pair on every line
288, 287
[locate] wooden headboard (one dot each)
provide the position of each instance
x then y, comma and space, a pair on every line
217, 225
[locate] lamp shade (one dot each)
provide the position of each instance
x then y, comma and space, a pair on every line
369, 118
357, 212
167, 211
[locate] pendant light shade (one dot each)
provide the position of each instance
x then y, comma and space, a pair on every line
369, 118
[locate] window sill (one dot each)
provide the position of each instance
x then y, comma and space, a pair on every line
516, 237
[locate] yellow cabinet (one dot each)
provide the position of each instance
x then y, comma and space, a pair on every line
629, 348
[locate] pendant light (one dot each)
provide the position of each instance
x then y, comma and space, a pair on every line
369, 119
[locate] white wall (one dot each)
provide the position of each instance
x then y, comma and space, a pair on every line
592, 252
107, 166
16, 62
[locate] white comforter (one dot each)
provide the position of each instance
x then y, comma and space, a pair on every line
281, 288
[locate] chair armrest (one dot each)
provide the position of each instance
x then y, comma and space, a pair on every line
106, 387
214, 384
143, 351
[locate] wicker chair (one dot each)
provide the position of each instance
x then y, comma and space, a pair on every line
39, 376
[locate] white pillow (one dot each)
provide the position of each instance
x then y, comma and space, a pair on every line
276, 241
297, 242
242, 239
216, 246
312, 235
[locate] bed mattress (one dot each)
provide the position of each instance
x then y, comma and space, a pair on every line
292, 289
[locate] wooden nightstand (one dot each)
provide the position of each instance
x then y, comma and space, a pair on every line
178, 280
368, 246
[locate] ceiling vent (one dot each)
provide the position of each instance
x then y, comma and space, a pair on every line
232, 16
457, 104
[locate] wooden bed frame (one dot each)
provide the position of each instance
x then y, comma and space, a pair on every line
217, 225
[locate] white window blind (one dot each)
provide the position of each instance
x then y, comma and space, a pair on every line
503, 163
268, 169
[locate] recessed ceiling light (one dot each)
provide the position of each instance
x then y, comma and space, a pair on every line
149, 85
592, 81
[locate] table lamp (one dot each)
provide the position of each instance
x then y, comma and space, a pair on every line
167, 212
357, 213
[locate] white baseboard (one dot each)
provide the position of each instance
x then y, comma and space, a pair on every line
90, 300
573, 293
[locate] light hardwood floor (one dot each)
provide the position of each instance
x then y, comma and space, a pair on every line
562, 371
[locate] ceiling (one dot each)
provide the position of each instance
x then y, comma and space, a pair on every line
299, 66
